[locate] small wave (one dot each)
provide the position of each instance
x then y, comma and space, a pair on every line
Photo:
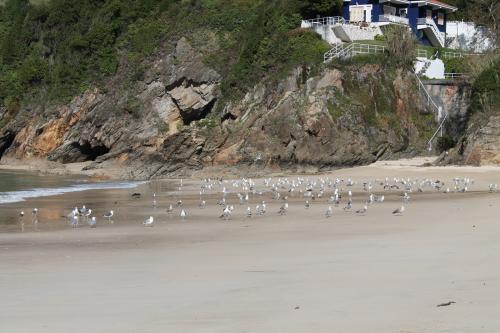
22, 195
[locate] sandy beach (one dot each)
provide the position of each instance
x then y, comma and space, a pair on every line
295, 273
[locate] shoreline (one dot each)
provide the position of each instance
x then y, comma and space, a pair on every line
103, 199
114, 173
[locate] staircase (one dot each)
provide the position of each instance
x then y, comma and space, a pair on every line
437, 109
436, 37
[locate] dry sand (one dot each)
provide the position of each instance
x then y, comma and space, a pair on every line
294, 273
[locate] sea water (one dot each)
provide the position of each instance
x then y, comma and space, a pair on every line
16, 186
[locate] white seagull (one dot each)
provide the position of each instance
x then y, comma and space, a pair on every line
148, 222
399, 211
92, 222
109, 215
362, 210
328, 212
226, 213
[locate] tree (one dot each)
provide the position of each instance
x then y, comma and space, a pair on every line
401, 45
312, 8
487, 14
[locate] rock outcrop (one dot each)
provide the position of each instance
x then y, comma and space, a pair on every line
480, 146
165, 123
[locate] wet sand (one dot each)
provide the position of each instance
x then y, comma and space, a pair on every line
294, 273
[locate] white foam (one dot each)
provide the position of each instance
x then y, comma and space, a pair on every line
22, 195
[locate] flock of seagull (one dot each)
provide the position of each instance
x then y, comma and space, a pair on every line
333, 192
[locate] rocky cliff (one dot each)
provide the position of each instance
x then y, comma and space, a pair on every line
479, 146
172, 120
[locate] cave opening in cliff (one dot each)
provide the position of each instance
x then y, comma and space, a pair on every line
228, 116
193, 115
90, 153
6, 141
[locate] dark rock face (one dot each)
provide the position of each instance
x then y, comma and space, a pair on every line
455, 102
164, 125
6, 141
479, 146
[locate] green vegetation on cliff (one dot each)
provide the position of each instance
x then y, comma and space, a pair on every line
55, 49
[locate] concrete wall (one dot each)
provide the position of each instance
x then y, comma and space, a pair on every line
435, 69
468, 36
325, 31
349, 33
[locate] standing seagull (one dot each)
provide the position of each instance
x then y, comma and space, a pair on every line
328, 212
74, 221
109, 215
183, 214
87, 214
226, 213
93, 222
21, 220
248, 213
148, 222
283, 209
34, 217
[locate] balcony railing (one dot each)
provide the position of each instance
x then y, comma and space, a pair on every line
394, 19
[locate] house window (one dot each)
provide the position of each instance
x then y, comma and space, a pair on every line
403, 12
428, 14
440, 18
388, 10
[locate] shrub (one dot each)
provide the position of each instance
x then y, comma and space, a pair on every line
454, 65
444, 143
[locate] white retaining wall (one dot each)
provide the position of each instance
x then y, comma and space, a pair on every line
435, 69
468, 36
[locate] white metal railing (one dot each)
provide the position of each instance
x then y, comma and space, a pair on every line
393, 18
343, 51
438, 109
330, 20
438, 131
429, 22
428, 97
422, 53
334, 52
454, 75
453, 55
450, 54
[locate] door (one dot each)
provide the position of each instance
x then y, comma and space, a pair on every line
356, 14
360, 13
